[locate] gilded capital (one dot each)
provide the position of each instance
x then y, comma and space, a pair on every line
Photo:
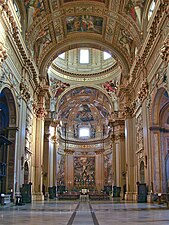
128, 111
68, 152
41, 112
99, 152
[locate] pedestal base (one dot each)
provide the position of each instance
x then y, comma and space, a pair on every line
37, 197
150, 198
131, 196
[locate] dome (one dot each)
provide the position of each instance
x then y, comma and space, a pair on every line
85, 64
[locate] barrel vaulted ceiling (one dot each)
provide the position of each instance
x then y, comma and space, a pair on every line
57, 26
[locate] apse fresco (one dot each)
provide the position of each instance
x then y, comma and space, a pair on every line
83, 91
84, 171
101, 109
108, 169
84, 114
84, 23
60, 169
65, 114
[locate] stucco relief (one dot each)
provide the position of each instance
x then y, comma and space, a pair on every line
142, 94
3, 53
126, 41
160, 77
165, 50
54, 4
7, 77
110, 30
41, 42
24, 90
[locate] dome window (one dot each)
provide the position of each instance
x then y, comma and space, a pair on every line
151, 9
84, 56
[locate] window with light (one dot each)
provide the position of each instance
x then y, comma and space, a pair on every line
106, 55
84, 56
151, 9
84, 132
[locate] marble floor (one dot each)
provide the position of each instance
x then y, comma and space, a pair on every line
84, 213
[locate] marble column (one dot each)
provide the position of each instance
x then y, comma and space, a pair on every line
46, 156
69, 170
118, 151
113, 161
130, 156
156, 160
20, 147
99, 170
39, 144
54, 124
10, 153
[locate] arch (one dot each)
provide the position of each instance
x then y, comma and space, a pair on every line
160, 138
156, 106
78, 42
10, 100
78, 86
7, 132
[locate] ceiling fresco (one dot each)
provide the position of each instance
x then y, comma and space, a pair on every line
84, 23
84, 105
113, 27
84, 94
84, 114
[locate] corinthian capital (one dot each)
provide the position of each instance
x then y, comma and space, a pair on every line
41, 112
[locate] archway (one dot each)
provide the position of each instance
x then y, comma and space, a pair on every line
7, 140
160, 139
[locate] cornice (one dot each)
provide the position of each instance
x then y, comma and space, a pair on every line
85, 143
141, 59
19, 41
